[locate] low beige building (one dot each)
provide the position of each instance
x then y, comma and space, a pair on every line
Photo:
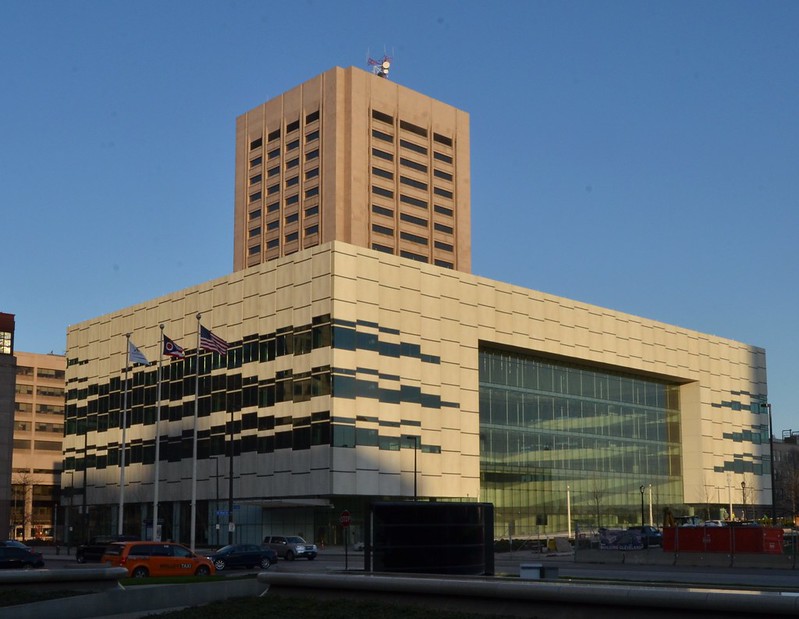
353, 375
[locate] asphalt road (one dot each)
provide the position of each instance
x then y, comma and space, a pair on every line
744, 578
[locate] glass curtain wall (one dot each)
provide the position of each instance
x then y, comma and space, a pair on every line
553, 433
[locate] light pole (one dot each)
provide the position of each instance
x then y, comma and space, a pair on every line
771, 458
216, 507
67, 524
642, 488
415, 449
743, 497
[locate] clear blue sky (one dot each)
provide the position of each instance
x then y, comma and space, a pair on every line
650, 148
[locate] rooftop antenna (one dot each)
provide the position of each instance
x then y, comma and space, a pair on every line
380, 67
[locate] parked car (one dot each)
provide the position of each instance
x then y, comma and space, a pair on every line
290, 547
650, 535
12, 557
94, 549
143, 559
15, 544
243, 555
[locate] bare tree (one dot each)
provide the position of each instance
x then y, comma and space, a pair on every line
787, 483
597, 492
23, 483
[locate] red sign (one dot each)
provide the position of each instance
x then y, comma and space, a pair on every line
345, 519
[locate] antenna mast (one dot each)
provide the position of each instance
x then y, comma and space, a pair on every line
380, 67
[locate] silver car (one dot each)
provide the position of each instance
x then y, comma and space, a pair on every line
290, 547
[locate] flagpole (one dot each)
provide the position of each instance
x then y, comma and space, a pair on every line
124, 443
156, 532
194, 447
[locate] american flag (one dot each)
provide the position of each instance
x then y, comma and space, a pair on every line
209, 341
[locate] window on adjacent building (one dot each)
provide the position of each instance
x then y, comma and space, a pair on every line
413, 201
312, 117
381, 210
273, 135
442, 192
382, 136
383, 173
411, 182
414, 147
409, 163
256, 143
442, 139
413, 256
382, 230
386, 193
376, 152
383, 117
413, 220
413, 128
413, 238
293, 126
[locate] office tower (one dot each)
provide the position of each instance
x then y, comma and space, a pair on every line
38, 437
350, 156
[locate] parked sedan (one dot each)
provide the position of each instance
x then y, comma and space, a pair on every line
243, 555
19, 558
15, 544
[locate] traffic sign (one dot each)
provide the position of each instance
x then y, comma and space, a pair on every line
345, 519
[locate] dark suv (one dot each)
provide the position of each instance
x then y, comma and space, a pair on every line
93, 549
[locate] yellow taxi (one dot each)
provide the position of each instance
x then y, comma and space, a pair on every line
143, 559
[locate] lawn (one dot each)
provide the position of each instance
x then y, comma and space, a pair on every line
311, 608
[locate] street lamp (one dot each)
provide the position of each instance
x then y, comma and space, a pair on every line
743, 497
415, 449
771, 451
641, 488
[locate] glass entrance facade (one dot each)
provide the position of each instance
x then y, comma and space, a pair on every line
557, 436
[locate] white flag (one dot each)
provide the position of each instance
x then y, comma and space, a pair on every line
136, 355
